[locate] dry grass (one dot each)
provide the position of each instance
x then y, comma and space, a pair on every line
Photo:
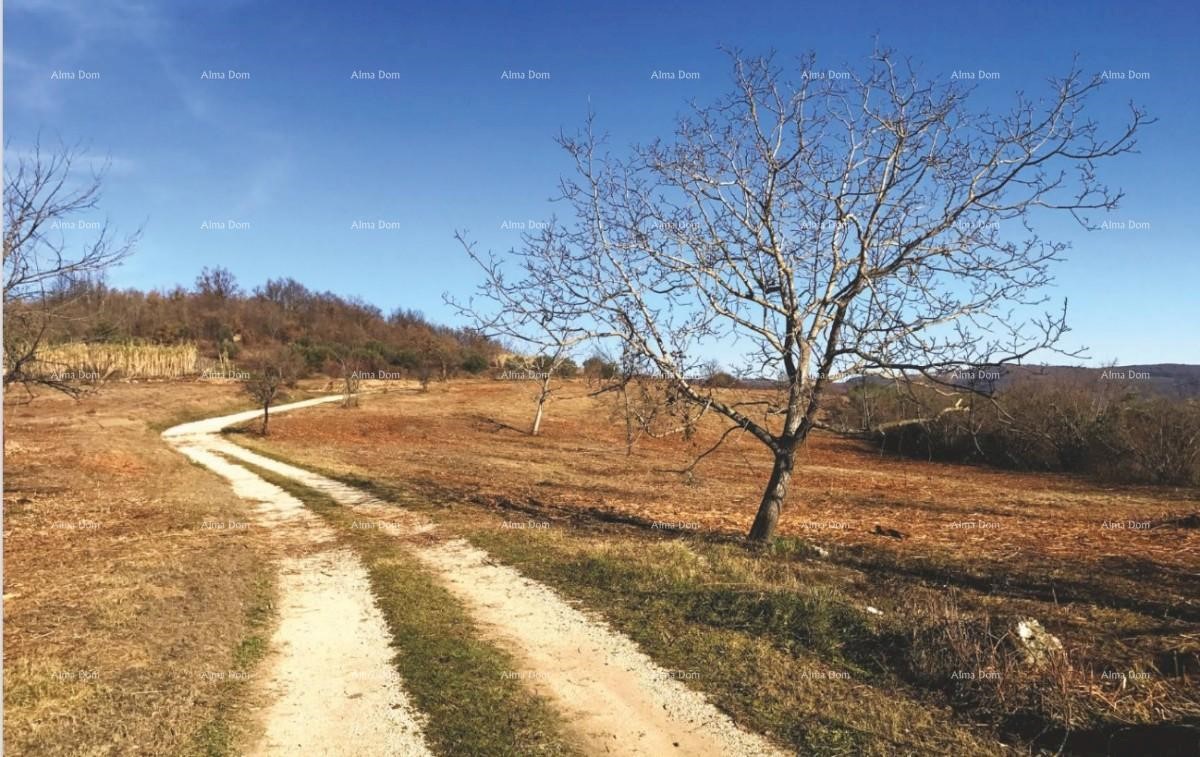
1008, 545
451, 439
129, 618
77, 361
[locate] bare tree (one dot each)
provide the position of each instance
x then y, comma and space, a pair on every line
833, 227
351, 379
527, 314
44, 195
217, 283
635, 404
268, 379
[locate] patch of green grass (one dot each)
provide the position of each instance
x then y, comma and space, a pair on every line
764, 633
786, 661
218, 736
791, 548
468, 687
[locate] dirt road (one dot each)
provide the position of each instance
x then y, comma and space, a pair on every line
618, 700
329, 685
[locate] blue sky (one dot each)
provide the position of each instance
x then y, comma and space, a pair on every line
300, 151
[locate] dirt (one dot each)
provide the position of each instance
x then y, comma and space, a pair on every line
618, 700
329, 685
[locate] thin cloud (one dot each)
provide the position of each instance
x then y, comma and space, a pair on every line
83, 164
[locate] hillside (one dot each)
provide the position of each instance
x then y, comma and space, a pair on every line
326, 330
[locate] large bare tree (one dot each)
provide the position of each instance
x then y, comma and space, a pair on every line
828, 228
45, 194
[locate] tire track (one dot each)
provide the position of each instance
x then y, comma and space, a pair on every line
620, 701
329, 684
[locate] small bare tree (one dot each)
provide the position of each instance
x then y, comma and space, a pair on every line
44, 195
522, 312
268, 380
834, 227
348, 366
635, 404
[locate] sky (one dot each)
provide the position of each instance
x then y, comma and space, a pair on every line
297, 158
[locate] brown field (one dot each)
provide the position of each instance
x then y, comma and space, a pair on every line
453, 440
121, 605
125, 610
1110, 570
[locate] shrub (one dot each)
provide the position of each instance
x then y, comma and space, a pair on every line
721, 380
567, 369
596, 367
1061, 426
474, 363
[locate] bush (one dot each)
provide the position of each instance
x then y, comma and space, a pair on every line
567, 369
314, 356
1161, 439
721, 380
1065, 427
596, 367
406, 359
474, 363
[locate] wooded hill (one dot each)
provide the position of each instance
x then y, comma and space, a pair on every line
326, 330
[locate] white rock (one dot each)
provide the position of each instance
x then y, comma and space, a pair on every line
1038, 643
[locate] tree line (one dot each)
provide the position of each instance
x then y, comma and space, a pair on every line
325, 332
1063, 424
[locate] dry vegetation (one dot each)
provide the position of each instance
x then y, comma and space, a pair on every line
131, 625
952, 555
125, 360
130, 618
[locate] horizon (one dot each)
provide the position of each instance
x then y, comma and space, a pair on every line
300, 159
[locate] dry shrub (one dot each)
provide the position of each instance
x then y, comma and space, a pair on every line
1062, 693
977, 660
1161, 442
1060, 426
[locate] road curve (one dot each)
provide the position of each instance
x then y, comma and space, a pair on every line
328, 683
617, 699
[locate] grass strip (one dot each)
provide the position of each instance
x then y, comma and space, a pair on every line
218, 736
469, 688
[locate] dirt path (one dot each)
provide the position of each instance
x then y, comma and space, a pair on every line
329, 682
617, 698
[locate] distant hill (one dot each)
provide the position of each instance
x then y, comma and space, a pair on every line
1179, 380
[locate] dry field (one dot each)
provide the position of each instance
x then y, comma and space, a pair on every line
134, 623
135, 589
1112, 571
1124, 545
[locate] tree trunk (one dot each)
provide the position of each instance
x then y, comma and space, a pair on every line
628, 423
266, 417
772, 500
543, 395
537, 418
